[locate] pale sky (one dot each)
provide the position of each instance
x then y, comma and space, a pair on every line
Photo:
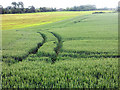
63, 3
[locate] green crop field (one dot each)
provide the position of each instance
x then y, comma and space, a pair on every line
67, 50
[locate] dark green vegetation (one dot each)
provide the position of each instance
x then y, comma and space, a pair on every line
81, 52
18, 7
82, 8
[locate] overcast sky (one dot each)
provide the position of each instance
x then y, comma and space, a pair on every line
63, 3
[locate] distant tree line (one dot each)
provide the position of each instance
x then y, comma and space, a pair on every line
19, 8
82, 8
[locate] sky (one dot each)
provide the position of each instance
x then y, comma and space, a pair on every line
63, 3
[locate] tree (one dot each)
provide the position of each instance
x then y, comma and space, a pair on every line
14, 4
18, 5
1, 9
21, 4
8, 9
26, 10
31, 9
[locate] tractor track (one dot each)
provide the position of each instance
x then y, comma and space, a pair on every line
58, 47
32, 51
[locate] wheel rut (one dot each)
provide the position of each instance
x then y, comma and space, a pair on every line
58, 47
32, 51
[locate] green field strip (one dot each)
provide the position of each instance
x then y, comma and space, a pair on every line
83, 55
46, 52
47, 49
51, 48
38, 57
88, 49
68, 22
49, 36
77, 73
90, 38
92, 45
